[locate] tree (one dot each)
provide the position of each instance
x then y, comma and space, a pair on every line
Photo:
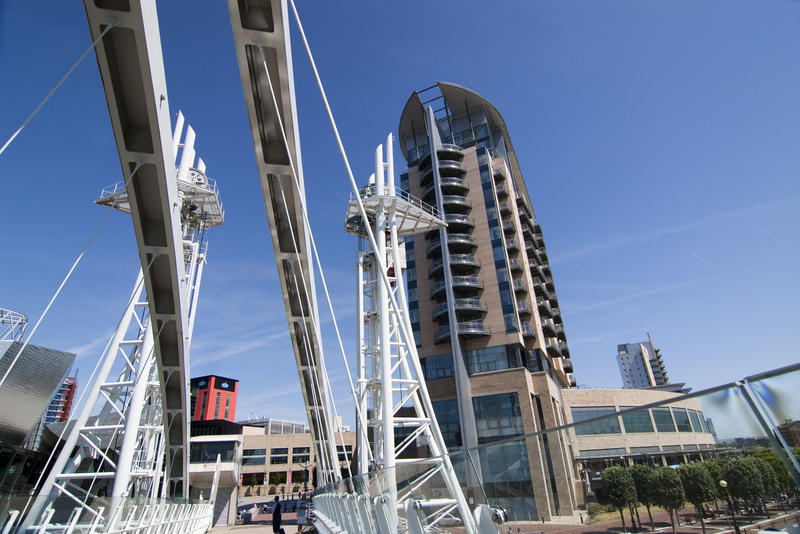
768, 479
744, 481
699, 487
715, 469
643, 480
668, 492
619, 489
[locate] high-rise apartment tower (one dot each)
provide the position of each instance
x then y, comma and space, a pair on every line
484, 308
641, 365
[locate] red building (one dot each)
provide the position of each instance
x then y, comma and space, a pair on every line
214, 397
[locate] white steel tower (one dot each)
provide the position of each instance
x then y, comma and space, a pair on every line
393, 399
119, 460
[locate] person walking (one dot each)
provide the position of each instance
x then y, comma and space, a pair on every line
302, 514
276, 517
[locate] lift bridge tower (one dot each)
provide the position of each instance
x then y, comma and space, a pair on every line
402, 455
118, 469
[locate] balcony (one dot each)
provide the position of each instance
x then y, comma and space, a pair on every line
542, 255
511, 246
450, 151
553, 348
462, 286
465, 308
502, 192
505, 208
449, 184
536, 271
456, 204
459, 264
450, 167
508, 227
548, 328
556, 312
459, 223
572, 381
544, 307
457, 243
564, 349
546, 269
466, 329
523, 308
567, 364
560, 332
527, 331
515, 265
500, 174
520, 286
541, 290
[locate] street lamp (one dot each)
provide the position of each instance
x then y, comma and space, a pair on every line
724, 485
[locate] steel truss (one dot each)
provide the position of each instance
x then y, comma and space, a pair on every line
117, 470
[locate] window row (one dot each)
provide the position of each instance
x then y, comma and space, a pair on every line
279, 455
662, 419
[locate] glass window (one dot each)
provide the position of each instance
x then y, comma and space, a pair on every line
341, 452
301, 455
696, 425
644, 450
663, 419
609, 425
497, 416
216, 408
227, 406
447, 416
206, 451
637, 422
279, 456
440, 366
489, 359
254, 457
682, 420
600, 453
300, 475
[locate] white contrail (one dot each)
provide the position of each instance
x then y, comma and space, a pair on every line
705, 261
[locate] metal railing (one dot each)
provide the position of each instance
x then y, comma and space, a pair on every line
370, 191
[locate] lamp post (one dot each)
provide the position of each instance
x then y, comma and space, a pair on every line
724, 485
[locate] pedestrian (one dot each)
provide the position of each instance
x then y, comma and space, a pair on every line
276, 517
302, 514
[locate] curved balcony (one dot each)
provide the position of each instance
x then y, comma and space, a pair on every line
505, 208
500, 174
462, 286
542, 255
509, 228
459, 264
502, 192
572, 381
459, 223
450, 185
523, 308
447, 167
564, 349
466, 329
457, 243
512, 246
567, 365
450, 151
556, 311
465, 308
546, 269
456, 204
515, 265
541, 290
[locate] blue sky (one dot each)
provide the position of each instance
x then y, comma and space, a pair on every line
659, 142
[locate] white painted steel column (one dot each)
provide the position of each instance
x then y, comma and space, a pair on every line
133, 417
387, 411
362, 442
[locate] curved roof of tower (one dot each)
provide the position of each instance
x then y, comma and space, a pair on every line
458, 99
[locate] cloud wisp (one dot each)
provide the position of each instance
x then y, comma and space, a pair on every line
639, 294
624, 241
704, 261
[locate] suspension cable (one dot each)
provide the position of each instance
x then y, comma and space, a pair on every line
63, 282
55, 88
